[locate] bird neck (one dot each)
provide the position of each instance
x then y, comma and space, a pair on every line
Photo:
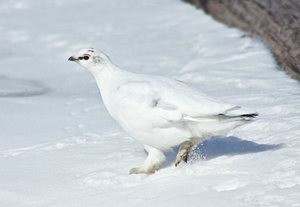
107, 75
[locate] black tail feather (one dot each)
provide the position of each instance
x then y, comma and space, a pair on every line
250, 115
244, 116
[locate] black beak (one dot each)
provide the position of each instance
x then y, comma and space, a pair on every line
72, 58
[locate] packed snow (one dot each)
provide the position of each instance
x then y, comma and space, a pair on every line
60, 147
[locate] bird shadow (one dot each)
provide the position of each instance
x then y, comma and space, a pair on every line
223, 146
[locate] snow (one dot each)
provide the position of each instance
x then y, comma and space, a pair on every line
59, 146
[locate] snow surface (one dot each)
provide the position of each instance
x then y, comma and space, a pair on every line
59, 147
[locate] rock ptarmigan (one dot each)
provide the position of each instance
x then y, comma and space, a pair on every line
157, 111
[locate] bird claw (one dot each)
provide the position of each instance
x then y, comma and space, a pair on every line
135, 170
141, 170
181, 156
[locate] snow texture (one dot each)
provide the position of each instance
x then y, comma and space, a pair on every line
59, 147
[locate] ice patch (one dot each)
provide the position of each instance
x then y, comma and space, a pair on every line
10, 87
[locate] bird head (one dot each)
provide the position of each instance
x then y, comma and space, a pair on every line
89, 58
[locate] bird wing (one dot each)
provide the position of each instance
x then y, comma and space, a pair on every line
192, 103
173, 100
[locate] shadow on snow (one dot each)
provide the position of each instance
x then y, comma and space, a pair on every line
223, 146
220, 146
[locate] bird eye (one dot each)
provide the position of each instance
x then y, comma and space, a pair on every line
84, 57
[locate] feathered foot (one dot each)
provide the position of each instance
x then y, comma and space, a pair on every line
183, 151
142, 170
152, 163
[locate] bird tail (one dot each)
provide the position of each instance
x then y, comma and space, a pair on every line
238, 113
250, 116
246, 117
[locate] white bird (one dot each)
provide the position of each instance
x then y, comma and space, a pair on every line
157, 111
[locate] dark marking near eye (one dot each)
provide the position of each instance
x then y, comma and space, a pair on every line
84, 57
91, 50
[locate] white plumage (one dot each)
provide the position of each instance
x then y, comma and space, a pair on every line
157, 111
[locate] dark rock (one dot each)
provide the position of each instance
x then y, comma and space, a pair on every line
277, 22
